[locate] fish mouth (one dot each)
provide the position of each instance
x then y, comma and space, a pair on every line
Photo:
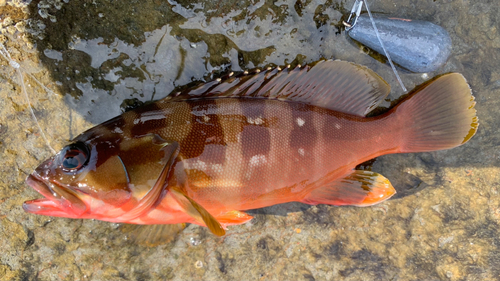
58, 201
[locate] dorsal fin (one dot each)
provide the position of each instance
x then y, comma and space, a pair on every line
336, 85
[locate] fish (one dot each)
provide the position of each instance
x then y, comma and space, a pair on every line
209, 153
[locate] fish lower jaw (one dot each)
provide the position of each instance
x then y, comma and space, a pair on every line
44, 207
58, 202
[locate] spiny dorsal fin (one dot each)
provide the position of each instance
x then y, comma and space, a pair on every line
335, 85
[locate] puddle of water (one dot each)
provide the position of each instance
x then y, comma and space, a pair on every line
147, 72
196, 47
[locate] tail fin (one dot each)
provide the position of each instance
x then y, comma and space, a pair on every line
439, 116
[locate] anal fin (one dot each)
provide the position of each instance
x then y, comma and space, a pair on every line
361, 188
234, 217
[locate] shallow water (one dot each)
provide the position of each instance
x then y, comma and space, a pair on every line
99, 57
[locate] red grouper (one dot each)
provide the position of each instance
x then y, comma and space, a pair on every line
205, 155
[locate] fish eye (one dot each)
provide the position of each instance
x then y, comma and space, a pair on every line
74, 157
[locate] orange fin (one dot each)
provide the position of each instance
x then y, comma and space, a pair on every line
361, 188
233, 218
144, 205
152, 235
195, 210
336, 85
441, 115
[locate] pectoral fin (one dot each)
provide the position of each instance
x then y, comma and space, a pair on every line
196, 211
361, 188
171, 150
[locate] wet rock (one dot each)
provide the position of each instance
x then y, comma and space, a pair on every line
408, 184
3, 129
6, 273
14, 233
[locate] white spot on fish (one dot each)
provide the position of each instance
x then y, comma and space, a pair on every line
206, 118
198, 165
255, 121
118, 130
153, 115
300, 121
338, 126
258, 160
301, 151
217, 168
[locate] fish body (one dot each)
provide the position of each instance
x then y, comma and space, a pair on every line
275, 152
249, 142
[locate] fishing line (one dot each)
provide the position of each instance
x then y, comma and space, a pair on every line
17, 67
383, 47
